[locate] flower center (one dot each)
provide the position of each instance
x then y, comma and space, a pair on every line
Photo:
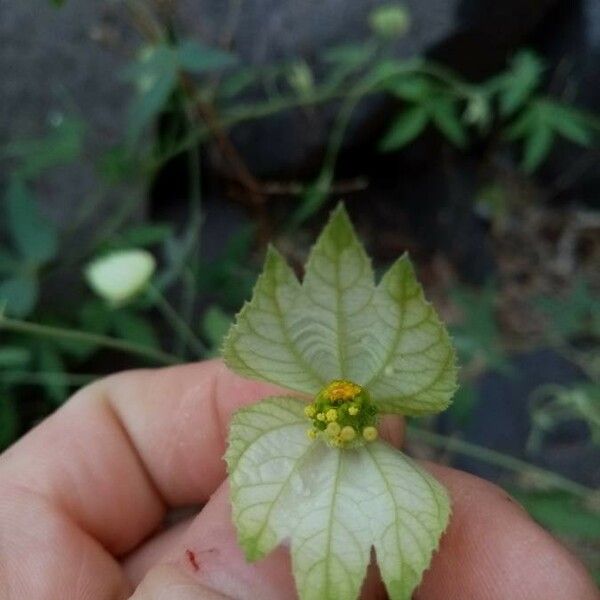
343, 415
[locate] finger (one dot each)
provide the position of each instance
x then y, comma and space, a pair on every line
164, 542
126, 447
168, 582
209, 552
492, 550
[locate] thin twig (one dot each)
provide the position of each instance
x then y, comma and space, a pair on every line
497, 458
29, 328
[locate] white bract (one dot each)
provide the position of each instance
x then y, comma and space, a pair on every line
357, 348
120, 276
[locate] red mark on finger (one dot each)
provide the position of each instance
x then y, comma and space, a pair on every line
192, 559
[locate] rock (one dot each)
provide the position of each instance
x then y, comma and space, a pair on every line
501, 420
477, 32
52, 66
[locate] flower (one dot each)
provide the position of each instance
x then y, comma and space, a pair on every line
359, 350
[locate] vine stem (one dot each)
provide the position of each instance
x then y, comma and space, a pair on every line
176, 322
497, 458
85, 337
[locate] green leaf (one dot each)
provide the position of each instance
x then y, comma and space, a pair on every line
313, 197
147, 234
135, 328
568, 122
446, 116
537, 147
61, 145
520, 82
14, 357
236, 83
332, 505
34, 237
412, 88
350, 55
215, 325
405, 128
18, 295
197, 58
149, 103
155, 74
338, 325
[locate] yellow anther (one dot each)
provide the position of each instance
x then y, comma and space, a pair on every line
309, 411
321, 416
331, 415
353, 410
370, 433
311, 433
333, 429
341, 390
347, 434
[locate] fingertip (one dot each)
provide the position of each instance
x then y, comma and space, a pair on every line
170, 582
492, 549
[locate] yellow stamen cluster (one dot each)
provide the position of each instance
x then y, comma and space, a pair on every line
343, 415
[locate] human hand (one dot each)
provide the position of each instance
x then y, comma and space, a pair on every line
83, 499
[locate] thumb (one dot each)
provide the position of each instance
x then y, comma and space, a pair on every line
170, 582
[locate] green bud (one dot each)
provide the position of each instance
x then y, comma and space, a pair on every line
119, 276
390, 21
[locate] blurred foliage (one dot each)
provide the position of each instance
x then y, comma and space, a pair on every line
46, 351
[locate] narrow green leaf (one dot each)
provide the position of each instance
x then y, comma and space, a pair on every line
520, 82
61, 145
313, 198
568, 122
350, 55
34, 236
149, 102
14, 357
523, 124
148, 234
446, 116
18, 296
537, 147
412, 88
405, 128
236, 83
332, 505
197, 58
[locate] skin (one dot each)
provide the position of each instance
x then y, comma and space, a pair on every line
84, 496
